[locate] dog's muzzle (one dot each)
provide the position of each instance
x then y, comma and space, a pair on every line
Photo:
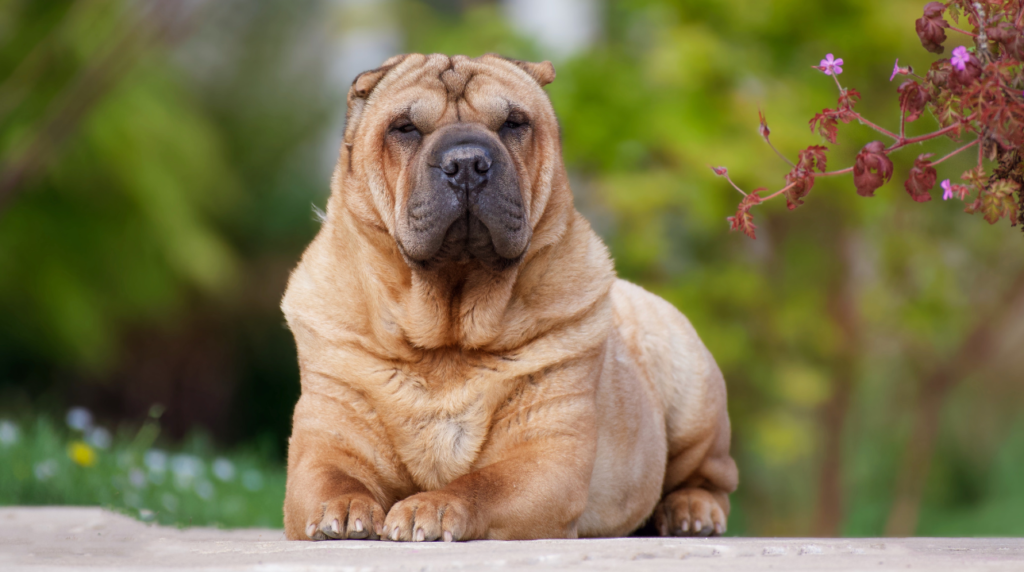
466, 202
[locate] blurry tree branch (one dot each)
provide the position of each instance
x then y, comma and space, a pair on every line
18, 84
846, 317
976, 349
162, 22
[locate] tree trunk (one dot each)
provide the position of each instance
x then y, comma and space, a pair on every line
977, 348
844, 313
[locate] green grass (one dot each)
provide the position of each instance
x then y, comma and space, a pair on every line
46, 463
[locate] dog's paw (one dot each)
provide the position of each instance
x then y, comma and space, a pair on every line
425, 516
355, 516
689, 512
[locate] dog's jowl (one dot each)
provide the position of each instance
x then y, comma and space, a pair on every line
471, 366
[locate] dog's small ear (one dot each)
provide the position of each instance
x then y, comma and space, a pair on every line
361, 89
543, 72
364, 83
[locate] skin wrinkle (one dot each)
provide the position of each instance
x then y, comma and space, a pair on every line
466, 101
364, 400
477, 397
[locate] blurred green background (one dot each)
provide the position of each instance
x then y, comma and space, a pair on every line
161, 162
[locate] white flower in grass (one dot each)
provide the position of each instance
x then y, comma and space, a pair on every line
204, 489
170, 502
223, 469
252, 480
8, 433
146, 515
186, 469
187, 466
99, 438
155, 460
79, 419
137, 477
45, 470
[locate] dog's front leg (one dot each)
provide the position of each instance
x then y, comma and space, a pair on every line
533, 476
338, 485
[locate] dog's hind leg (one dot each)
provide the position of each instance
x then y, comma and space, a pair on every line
700, 473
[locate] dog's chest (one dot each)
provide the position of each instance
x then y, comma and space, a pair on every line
439, 423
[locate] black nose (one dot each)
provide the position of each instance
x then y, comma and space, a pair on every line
466, 165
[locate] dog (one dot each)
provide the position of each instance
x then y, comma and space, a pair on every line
471, 367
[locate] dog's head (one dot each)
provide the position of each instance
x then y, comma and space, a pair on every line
452, 156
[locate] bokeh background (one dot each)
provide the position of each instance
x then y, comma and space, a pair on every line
160, 163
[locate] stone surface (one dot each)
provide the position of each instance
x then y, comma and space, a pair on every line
62, 538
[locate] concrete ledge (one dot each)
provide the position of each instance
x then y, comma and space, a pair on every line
63, 538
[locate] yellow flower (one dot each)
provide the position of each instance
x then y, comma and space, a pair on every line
82, 453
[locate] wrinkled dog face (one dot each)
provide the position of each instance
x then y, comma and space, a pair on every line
465, 199
460, 145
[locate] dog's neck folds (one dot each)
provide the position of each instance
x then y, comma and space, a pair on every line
465, 305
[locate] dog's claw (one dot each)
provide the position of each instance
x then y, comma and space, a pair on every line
690, 512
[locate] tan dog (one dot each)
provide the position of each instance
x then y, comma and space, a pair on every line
471, 367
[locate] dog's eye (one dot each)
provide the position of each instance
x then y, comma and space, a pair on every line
404, 128
515, 120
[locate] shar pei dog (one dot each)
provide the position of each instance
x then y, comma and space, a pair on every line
471, 367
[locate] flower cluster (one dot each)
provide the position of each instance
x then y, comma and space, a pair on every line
85, 463
979, 91
83, 451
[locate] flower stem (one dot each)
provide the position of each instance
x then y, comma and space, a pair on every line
841, 90
826, 174
928, 136
955, 29
778, 192
734, 184
834, 173
777, 152
968, 146
881, 130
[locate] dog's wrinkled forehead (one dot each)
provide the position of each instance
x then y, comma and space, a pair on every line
437, 88
454, 81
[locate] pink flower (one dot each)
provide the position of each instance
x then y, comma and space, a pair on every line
830, 65
960, 58
947, 189
950, 190
897, 70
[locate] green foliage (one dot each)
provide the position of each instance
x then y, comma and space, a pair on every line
42, 463
120, 224
983, 501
